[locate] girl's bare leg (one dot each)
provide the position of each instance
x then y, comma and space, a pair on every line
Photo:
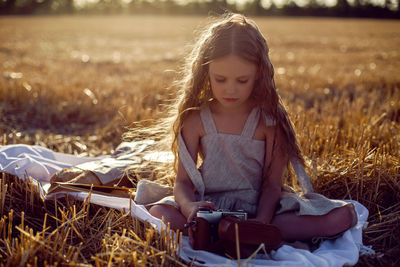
170, 214
305, 227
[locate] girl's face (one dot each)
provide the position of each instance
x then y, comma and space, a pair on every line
232, 80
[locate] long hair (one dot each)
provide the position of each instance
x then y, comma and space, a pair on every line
233, 34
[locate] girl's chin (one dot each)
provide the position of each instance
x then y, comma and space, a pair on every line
233, 104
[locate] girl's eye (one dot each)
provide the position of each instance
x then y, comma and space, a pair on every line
242, 81
220, 80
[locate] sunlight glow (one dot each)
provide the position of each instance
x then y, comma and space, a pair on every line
241, 3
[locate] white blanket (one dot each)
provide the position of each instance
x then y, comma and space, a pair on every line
41, 163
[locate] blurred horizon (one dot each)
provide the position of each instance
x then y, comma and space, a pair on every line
264, 3
320, 8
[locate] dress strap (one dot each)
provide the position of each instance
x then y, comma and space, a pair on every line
251, 123
302, 176
190, 167
269, 121
208, 121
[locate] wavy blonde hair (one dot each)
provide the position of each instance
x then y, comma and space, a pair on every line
233, 34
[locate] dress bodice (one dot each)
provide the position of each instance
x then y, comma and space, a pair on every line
232, 167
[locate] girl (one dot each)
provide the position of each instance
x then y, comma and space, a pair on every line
231, 116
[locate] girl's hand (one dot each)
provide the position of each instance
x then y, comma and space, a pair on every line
191, 208
256, 219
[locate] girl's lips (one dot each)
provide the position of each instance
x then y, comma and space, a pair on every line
230, 99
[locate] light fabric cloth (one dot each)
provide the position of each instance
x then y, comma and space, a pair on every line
35, 161
331, 253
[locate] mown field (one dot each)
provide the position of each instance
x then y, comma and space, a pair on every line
74, 85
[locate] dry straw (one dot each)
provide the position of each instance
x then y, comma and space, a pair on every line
339, 79
75, 233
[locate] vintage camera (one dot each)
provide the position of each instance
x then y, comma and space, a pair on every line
206, 222
214, 216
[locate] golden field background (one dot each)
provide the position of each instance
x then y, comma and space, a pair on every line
73, 84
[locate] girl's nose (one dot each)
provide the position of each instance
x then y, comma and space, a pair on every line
231, 89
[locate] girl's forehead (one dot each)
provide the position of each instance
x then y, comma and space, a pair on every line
232, 64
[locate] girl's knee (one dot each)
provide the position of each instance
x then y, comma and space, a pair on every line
349, 216
158, 211
351, 209
169, 214
341, 219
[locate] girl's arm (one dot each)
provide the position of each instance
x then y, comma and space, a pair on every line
275, 163
184, 190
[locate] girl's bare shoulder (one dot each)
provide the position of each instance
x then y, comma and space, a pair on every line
192, 123
265, 129
267, 126
269, 131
